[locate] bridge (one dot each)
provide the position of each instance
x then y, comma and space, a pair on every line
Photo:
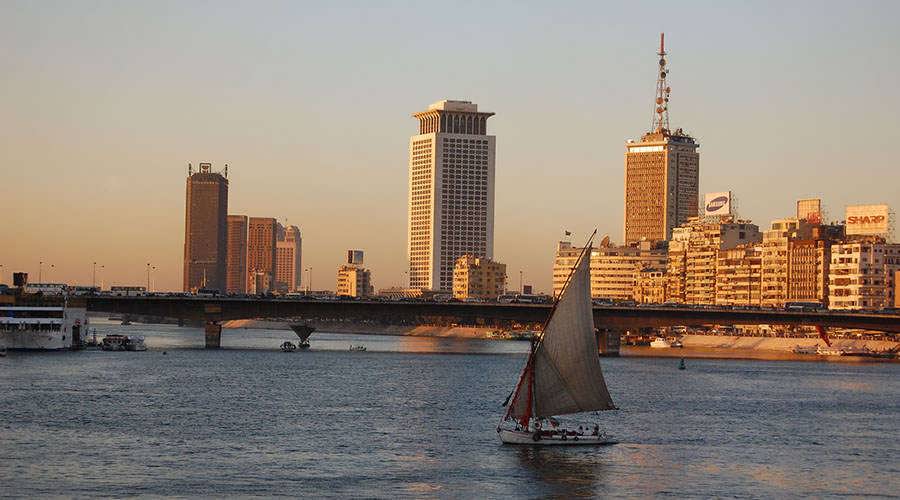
212, 311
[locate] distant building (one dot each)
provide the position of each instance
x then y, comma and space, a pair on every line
478, 278
614, 269
662, 173
288, 259
694, 255
354, 281
205, 228
236, 266
451, 192
739, 276
862, 274
261, 248
652, 286
776, 258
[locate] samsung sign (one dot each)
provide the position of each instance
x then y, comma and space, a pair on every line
717, 203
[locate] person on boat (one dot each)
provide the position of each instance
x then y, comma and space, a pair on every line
596, 431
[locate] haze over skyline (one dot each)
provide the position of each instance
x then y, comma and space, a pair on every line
310, 106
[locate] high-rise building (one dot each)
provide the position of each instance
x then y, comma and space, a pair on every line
261, 238
615, 270
288, 259
662, 173
478, 278
236, 267
776, 258
205, 228
451, 192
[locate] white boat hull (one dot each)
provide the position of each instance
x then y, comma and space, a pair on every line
35, 341
521, 437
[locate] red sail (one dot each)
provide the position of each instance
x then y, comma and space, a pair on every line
823, 334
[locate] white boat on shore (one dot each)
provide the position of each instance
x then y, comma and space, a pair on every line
660, 343
42, 328
562, 375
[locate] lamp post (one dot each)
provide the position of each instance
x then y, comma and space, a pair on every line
308, 280
521, 281
149, 268
40, 271
1, 273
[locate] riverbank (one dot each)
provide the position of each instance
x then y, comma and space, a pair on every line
357, 328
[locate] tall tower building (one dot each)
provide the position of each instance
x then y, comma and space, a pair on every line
662, 172
261, 238
205, 230
288, 263
451, 192
236, 267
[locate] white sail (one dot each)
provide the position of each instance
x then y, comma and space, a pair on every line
563, 375
567, 374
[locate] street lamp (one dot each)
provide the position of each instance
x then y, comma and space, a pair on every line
308, 280
149, 268
40, 271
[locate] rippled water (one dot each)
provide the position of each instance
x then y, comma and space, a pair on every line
416, 417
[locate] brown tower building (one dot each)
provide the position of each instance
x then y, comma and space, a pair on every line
662, 173
205, 233
236, 267
262, 233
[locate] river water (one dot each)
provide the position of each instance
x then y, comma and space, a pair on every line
415, 417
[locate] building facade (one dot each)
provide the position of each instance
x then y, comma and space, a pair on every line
662, 173
614, 269
288, 259
652, 286
354, 281
236, 266
261, 254
862, 274
478, 278
694, 255
451, 192
739, 276
205, 229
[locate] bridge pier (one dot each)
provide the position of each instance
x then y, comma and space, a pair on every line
213, 334
608, 340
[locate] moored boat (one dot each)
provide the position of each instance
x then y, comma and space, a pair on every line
288, 346
40, 328
660, 343
562, 374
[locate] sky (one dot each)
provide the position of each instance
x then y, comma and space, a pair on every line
103, 104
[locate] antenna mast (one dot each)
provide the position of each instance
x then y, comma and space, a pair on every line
660, 121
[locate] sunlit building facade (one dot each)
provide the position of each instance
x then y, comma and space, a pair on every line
478, 278
451, 192
205, 229
236, 267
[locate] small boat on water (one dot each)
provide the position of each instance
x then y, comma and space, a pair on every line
660, 343
357, 348
116, 342
681, 365
562, 374
303, 332
288, 346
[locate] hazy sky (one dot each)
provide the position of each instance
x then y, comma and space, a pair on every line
103, 104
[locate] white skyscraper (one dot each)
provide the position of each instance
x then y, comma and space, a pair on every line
451, 192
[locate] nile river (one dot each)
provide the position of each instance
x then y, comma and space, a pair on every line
415, 417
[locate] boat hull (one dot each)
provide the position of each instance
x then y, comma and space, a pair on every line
520, 437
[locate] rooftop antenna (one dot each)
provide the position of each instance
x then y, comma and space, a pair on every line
226, 170
660, 121
190, 170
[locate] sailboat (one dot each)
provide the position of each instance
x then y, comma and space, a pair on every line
562, 375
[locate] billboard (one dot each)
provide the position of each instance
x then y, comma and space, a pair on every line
868, 220
355, 257
717, 203
810, 210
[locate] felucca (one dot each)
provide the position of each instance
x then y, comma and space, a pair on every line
562, 375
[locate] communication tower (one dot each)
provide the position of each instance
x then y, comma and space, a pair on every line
660, 121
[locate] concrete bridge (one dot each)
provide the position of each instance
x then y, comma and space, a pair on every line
212, 311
